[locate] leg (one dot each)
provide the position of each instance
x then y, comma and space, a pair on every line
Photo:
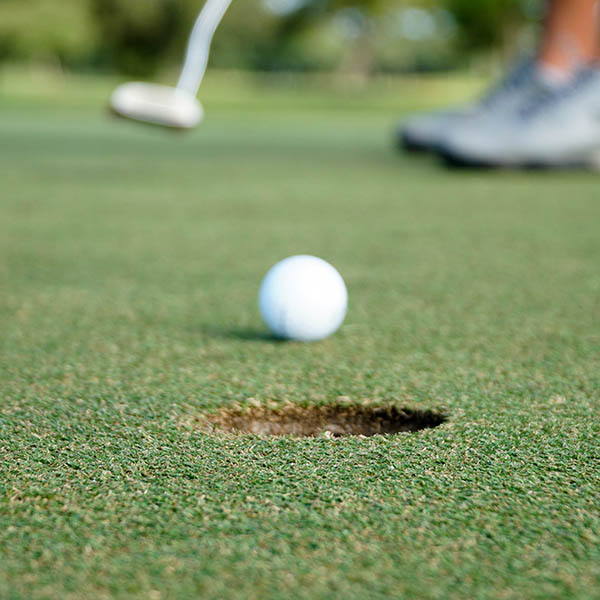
571, 35
570, 44
554, 122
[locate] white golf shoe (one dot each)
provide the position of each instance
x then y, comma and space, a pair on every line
424, 132
553, 126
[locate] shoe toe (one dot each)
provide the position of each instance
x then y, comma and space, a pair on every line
422, 133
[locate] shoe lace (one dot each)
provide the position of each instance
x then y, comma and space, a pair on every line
513, 81
545, 97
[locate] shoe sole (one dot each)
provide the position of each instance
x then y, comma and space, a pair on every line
408, 144
457, 161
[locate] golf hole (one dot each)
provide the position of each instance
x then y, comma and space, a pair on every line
331, 421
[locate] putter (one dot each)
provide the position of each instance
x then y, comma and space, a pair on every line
174, 107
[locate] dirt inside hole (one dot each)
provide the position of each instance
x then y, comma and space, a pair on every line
324, 421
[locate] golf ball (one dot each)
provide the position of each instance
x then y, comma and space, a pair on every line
303, 298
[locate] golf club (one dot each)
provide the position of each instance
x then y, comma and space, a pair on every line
174, 107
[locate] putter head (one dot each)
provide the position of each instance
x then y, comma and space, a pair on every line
157, 105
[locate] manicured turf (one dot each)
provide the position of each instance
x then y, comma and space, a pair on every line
130, 261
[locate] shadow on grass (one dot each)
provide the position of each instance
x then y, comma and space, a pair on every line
245, 334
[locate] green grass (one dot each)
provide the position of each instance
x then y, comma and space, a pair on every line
129, 266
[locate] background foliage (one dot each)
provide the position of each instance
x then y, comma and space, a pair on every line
140, 36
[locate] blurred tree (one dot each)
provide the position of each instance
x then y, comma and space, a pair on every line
364, 28
247, 37
485, 23
46, 30
138, 36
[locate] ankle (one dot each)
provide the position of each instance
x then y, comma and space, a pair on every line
555, 72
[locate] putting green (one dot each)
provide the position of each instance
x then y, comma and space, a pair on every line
130, 261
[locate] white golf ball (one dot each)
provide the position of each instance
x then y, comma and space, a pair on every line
303, 298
